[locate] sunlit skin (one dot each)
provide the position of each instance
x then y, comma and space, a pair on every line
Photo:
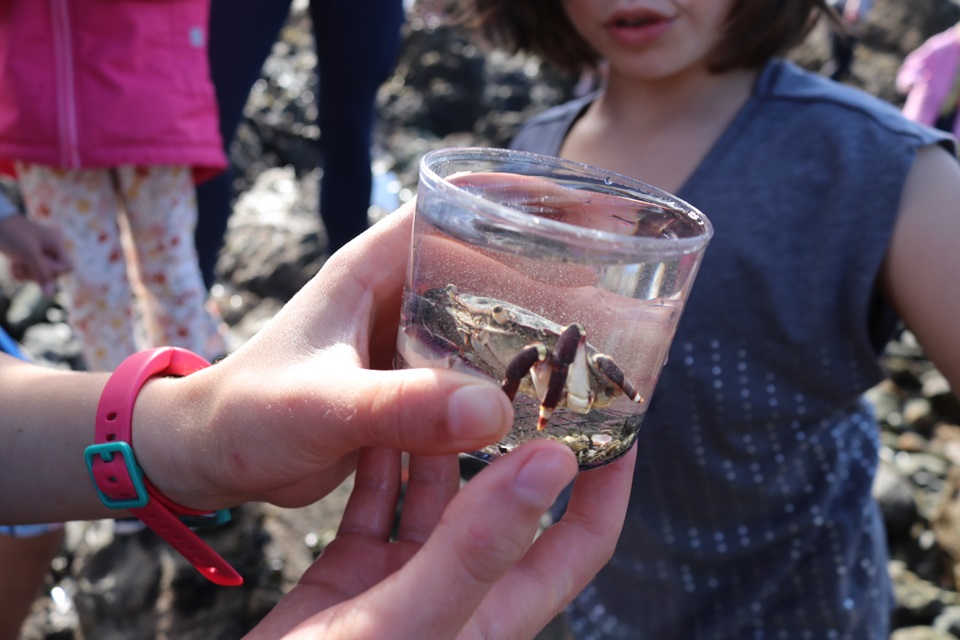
651, 40
662, 109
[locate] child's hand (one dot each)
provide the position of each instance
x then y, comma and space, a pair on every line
303, 404
36, 252
284, 418
464, 564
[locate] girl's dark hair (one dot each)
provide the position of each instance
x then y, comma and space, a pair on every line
756, 30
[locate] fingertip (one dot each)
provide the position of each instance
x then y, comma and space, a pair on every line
479, 412
543, 476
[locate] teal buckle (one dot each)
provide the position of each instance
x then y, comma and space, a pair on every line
106, 451
209, 520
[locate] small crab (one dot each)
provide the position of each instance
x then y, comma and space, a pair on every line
529, 353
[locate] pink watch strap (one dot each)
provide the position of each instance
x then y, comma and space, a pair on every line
119, 479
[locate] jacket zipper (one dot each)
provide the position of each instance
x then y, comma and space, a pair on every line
66, 96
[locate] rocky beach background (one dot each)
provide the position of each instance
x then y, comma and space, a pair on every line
445, 92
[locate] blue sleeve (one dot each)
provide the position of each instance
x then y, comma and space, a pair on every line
10, 346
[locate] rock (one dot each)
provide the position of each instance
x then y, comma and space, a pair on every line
54, 345
941, 398
918, 415
897, 504
27, 307
275, 242
948, 621
918, 601
921, 633
946, 519
946, 441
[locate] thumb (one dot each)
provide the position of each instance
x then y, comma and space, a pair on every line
423, 411
20, 270
41, 270
486, 529
58, 259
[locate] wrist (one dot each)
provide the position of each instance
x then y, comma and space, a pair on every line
177, 441
118, 473
165, 432
51, 439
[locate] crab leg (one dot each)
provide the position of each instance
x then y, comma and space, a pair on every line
426, 349
568, 344
519, 366
612, 371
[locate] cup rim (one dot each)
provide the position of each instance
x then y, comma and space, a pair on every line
577, 236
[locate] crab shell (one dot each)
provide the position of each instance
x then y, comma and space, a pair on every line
489, 334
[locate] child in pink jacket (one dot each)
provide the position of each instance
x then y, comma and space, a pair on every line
930, 78
107, 120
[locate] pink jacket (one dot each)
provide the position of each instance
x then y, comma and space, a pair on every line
927, 76
104, 83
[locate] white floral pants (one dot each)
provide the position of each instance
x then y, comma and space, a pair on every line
135, 282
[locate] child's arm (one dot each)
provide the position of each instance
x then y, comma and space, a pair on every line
292, 413
921, 274
920, 64
281, 420
47, 422
36, 252
285, 442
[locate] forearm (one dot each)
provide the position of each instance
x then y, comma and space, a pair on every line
48, 421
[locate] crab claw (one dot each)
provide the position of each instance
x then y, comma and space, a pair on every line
519, 366
612, 371
544, 419
569, 344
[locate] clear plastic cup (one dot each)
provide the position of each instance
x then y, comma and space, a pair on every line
562, 282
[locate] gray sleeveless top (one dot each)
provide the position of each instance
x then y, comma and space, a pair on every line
751, 513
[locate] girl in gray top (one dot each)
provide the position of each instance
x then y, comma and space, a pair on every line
751, 514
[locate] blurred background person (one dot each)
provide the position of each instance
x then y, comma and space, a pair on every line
842, 43
107, 119
357, 44
930, 79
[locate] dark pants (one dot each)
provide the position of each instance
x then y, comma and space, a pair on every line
357, 44
841, 48
946, 122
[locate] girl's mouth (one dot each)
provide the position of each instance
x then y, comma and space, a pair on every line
636, 21
637, 27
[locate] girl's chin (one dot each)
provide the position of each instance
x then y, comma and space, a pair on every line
648, 72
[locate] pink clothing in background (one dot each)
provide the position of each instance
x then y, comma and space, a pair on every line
104, 83
927, 76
